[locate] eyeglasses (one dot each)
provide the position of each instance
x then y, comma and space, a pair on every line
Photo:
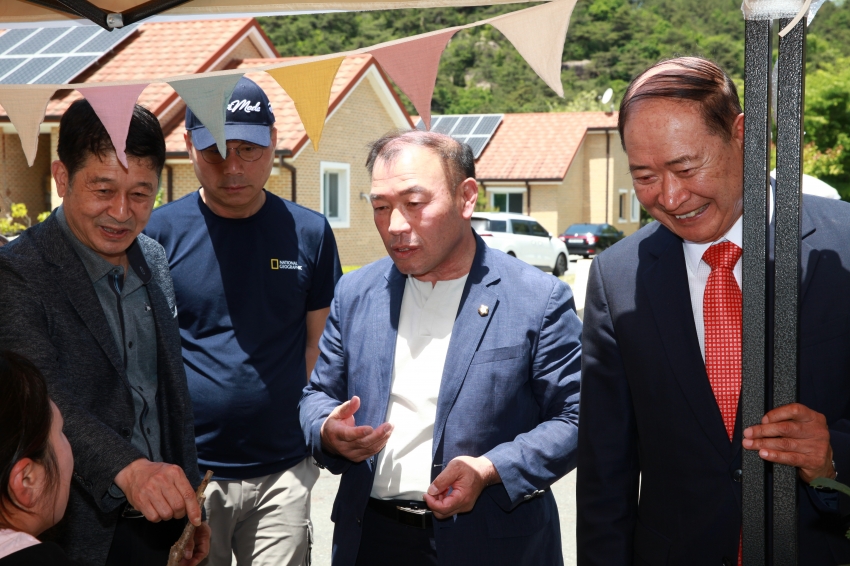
246, 152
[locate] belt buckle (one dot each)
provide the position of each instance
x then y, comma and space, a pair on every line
412, 516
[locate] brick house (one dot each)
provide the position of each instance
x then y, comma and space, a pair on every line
363, 106
561, 168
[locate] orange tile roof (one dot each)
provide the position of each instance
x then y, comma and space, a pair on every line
158, 50
290, 132
537, 146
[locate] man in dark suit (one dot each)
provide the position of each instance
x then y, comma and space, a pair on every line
660, 438
447, 387
90, 301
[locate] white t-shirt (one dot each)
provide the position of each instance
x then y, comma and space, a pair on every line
424, 331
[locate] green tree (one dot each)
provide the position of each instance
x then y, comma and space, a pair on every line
827, 124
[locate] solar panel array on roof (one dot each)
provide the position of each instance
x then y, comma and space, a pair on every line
54, 55
473, 129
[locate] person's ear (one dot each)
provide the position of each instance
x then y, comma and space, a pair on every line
61, 177
26, 483
469, 196
738, 129
273, 135
188, 140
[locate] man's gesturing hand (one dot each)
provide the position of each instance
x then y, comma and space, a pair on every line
159, 491
340, 436
793, 435
457, 487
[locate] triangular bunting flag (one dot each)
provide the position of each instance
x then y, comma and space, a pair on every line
538, 34
114, 106
412, 65
309, 87
25, 108
208, 97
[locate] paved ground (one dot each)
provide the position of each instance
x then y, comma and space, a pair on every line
564, 490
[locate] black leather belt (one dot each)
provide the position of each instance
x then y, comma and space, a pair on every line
411, 513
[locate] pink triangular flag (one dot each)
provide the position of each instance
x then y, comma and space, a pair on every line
538, 34
25, 108
413, 65
114, 106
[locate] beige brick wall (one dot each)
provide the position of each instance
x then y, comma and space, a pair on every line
20, 183
360, 119
544, 206
617, 178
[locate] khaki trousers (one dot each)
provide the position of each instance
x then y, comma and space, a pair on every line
262, 521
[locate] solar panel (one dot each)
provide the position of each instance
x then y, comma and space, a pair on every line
54, 55
473, 129
445, 125
488, 124
477, 143
465, 125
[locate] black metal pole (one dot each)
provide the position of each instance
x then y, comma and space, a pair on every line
789, 142
757, 62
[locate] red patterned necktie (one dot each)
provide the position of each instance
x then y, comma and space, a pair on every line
723, 321
722, 317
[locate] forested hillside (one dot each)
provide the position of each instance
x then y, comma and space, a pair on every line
608, 42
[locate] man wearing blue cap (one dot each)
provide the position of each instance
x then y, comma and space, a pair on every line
254, 277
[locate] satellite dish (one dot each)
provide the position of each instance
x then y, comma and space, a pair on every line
607, 95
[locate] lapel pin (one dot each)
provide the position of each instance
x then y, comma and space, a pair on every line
483, 310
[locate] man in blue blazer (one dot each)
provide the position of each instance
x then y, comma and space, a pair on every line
659, 467
446, 392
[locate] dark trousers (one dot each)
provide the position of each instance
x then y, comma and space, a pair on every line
387, 543
138, 542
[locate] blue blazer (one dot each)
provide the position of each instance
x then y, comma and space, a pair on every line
509, 391
648, 413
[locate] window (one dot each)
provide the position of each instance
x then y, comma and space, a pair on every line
335, 191
507, 201
623, 206
487, 225
521, 227
635, 207
538, 230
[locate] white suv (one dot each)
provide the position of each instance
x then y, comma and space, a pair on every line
522, 237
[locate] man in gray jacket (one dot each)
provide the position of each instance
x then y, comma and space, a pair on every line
90, 301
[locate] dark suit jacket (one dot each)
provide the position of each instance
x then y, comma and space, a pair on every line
50, 313
509, 392
648, 410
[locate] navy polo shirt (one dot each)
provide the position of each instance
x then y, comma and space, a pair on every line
244, 287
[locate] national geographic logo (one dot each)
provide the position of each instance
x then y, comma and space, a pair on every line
284, 264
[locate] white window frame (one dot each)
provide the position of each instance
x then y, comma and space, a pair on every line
635, 207
344, 171
623, 219
505, 191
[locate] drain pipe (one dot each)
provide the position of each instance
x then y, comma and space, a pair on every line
292, 172
528, 192
607, 170
169, 183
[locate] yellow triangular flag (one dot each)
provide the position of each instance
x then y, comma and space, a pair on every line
538, 34
25, 105
309, 87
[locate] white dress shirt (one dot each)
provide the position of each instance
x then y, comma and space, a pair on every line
13, 541
424, 331
698, 272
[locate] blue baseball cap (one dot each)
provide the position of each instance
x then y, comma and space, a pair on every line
248, 118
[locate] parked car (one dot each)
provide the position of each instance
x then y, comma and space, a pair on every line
589, 239
522, 237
